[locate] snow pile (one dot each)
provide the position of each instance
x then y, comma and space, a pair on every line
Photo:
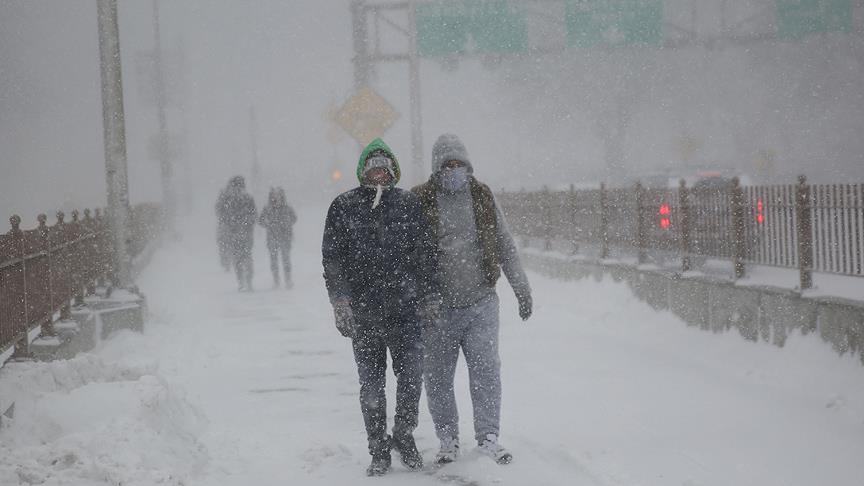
85, 421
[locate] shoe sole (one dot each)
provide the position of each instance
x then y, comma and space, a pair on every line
444, 460
415, 467
372, 474
504, 460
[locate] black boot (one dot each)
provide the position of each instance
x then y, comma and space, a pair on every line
407, 449
380, 458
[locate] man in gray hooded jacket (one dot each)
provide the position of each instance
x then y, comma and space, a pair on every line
473, 246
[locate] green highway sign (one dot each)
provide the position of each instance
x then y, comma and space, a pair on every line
799, 18
614, 22
442, 29
448, 27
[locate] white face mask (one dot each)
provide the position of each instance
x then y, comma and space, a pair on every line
454, 179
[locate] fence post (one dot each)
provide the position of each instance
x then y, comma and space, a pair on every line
804, 231
573, 209
684, 212
546, 218
104, 252
604, 222
47, 327
736, 200
90, 260
77, 263
640, 225
22, 340
66, 277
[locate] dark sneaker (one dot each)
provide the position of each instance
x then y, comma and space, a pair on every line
449, 451
496, 451
408, 453
380, 450
379, 466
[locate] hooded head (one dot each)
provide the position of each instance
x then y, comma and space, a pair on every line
377, 148
277, 196
448, 147
237, 184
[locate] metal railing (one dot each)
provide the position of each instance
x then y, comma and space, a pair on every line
808, 227
44, 270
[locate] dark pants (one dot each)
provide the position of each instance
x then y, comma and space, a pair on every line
224, 243
370, 352
276, 246
241, 254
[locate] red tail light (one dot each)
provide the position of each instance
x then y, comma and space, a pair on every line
760, 215
664, 212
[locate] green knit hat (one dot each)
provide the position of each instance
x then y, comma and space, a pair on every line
377, 145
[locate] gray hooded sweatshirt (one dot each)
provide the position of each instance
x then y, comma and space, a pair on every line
462, 279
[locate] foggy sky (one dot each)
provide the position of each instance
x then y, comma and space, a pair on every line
526, 121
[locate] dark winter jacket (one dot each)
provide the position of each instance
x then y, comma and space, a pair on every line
278, 220
237, 212
377, 258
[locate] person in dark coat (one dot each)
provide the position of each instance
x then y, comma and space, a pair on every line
377, 271
239, 215
278, 218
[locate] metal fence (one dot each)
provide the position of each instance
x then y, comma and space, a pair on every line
809, 227
44, 270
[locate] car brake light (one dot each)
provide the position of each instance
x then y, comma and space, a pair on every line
664, 212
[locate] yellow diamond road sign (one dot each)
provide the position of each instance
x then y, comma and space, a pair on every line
366, 116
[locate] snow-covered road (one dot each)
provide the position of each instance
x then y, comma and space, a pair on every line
227, 388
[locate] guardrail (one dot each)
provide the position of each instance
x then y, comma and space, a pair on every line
808, 227
45, 269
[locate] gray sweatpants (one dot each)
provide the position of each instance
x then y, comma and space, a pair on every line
474, 329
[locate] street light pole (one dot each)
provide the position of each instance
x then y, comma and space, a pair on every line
256, 166
168, 199
362, 67
114, 129
416, 113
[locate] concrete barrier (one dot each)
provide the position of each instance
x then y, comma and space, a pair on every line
768, 314
91, 324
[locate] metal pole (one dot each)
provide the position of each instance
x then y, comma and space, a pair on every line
256, 167
573, 213
604, 222
362, 67
642, 255
168, 199
416, 113
114, 137
804, 228
684, 211
736, 198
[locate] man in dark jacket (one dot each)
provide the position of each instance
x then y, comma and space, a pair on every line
473, 246
377, 270
278, 218
239, 216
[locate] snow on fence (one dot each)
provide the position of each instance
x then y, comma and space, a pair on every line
808, 227
43, 270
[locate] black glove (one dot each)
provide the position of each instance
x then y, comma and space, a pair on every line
430, 310
525, 306
344, 318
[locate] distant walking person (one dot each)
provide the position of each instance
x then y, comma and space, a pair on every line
222, 240
473, 245
239, 215
377, 270
278, 218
